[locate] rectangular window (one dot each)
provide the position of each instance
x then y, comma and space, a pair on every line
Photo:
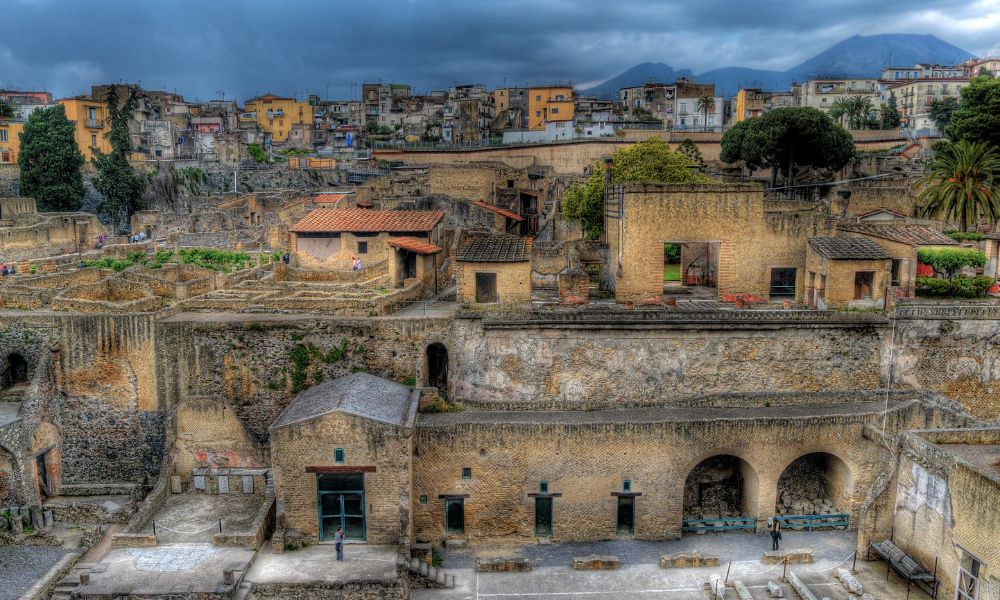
543, 487
538, 113
783, 283
466, 472
338, 455
93, 140
555, 110
362, 247
864, 281
627, 485
423, 498
486, 288
538, 98
3, 135
895, 271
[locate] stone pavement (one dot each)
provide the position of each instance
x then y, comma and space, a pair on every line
167, 569
193, 517
22, 566
641, 577
317, 563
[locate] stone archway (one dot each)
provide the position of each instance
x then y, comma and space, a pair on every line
815, 483
437, 367
722, 485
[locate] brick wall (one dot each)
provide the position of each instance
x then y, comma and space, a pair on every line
366, 443
513, 281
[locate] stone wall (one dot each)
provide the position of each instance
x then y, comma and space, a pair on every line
513, 281
754, 236
586, 456
895, 194
367, 444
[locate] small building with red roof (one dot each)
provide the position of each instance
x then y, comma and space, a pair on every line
328, 238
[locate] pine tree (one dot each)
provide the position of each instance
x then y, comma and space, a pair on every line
122, 188
50, 161
890, 116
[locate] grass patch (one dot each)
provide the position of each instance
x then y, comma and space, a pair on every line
671, 272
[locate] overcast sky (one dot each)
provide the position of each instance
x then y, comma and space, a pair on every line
202, 48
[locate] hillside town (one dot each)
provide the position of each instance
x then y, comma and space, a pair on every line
490, 342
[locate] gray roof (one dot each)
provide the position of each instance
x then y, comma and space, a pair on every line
495, 248
843, 248
359, 394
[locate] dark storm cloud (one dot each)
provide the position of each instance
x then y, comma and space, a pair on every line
201, 48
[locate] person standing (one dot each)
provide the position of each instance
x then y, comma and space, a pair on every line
338, 543
775, 534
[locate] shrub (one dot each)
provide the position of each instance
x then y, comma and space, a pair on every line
966, 236
958, 287
410, 380
950, 260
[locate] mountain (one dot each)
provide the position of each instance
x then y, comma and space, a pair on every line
857, 56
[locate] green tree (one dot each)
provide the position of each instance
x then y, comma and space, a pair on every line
121, 187
977, 118
50, 161
688, 148
649, 161
785, 138
706, 104
6, 110
961, 183
942, 111
839, 111
890, 113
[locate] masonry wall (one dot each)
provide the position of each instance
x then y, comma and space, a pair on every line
944, 505
586, 459
366, 443
754, 236
513, 281
840, 276
868, 196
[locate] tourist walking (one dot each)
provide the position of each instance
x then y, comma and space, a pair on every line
338, 543
775, 533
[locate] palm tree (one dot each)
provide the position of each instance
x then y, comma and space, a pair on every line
706, 104
839, 109
861, 111
962, 182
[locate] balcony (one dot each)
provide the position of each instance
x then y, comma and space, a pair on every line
95, 123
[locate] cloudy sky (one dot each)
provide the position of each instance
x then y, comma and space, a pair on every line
204, 48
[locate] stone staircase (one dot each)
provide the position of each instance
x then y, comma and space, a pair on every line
423, 575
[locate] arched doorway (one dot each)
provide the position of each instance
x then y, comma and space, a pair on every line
437, 367
16, 373
720, 486
814, 484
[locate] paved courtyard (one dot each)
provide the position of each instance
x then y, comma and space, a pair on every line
640, 575
317, 563
191, 518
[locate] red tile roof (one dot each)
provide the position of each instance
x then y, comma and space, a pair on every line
913, 235
414, 245
333, 199
324, 220
499, 210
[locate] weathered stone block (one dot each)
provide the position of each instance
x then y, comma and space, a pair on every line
596, 562
687, 560
502, 565
175, 484
798, 556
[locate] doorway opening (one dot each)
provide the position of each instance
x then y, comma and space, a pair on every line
454, 516
690, 268
626, 515
341, 504
437, 368
543, 517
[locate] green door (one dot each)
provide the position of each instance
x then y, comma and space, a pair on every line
341, 504
543, 517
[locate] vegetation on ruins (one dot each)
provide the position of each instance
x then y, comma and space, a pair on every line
966, 236
949, 261
961, 183
123, 189
688, 148
208, 258
50, 161
785, 138
977, 118
649, 161
256, 152
958, 287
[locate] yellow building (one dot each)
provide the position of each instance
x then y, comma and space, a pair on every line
91, 120
749, 103
10, 139
549, 105
276, 116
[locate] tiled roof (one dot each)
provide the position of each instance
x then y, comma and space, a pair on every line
357, 394
913, 235
333, 199
495, 248
414, 245
499, 210
324, 220
844, 248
